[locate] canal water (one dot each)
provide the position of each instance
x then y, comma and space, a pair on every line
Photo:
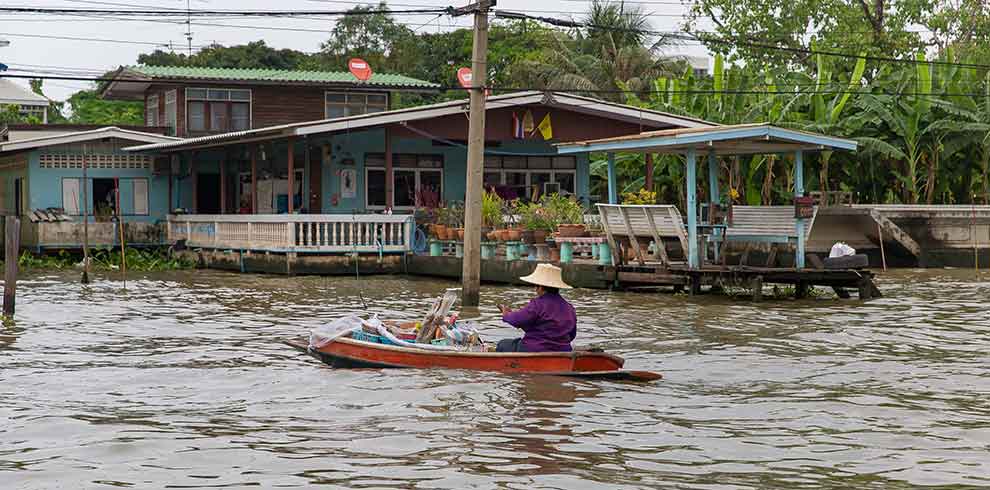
181, 381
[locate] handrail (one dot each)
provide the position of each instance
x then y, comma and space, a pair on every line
289, 233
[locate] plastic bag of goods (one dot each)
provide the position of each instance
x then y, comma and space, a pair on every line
463, 333
841, 250
324, 334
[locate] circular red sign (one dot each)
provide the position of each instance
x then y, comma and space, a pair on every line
465, 77
359, 68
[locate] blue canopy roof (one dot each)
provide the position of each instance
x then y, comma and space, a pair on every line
723, 140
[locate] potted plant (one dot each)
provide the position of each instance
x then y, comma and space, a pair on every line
491, 212
455, 223
566, 213
537, 222
442, 216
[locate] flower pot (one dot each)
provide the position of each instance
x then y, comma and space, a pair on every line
493, 235
539, 236
460, 234
571, 230
527, 236
554, 254
513, 235
440, 231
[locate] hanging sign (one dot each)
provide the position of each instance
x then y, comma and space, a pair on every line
465, 77
359, 68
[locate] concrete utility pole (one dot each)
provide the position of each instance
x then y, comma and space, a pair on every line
471, 273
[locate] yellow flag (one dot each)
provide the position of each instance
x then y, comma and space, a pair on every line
545, 128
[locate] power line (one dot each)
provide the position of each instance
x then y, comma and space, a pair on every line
90, 39
226, 13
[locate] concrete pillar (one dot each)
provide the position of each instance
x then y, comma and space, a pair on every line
799, 191
692, 208
613, 191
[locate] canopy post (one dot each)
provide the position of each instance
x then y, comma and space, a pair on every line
714, 198
798, 192
713, 193
648, 184
692, 209
613, 193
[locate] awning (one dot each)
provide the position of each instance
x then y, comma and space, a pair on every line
739, 139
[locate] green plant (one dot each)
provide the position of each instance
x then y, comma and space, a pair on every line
534, 217
491, 210
644, 196
563, 210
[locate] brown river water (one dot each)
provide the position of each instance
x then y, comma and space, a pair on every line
181, 382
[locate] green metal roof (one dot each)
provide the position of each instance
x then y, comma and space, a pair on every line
266, 75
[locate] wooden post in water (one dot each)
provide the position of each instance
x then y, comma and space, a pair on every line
120, 227
12, 238
85, 217
883, 255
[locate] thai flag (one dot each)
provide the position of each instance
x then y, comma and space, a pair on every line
517, 127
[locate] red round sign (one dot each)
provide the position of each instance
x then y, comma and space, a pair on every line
359, 68
464, 76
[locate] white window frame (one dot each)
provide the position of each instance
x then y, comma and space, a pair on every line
530, 171
76, 209
172, 120
134, 196
207, 121
417, 170
151, 111
347, 95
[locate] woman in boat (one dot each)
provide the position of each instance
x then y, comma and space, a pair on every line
548, 321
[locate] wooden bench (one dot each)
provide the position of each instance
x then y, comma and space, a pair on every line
652, 222
764, 224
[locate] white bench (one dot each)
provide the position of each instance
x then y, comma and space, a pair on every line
766, 224
648, 221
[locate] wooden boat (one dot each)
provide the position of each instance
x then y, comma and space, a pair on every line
350, 353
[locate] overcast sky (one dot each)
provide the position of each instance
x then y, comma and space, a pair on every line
30, 50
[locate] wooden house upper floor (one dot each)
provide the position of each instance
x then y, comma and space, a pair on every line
200, 101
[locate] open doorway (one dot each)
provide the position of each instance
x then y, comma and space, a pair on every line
208, 194
104, 198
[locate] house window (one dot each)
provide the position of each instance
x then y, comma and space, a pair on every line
525, 175
218, 110
140, 196
170, 110
151, 111
38, 112
341, 104
410, 173
71, 196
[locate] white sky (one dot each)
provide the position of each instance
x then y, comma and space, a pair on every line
28, 50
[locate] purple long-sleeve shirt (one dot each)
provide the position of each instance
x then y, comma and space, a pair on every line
549, 323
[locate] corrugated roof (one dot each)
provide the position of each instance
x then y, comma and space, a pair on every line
266, 75
95, 134
12, 93
399, 116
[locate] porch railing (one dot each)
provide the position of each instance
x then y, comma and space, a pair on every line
331, 233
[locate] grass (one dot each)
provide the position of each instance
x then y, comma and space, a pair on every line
145, 260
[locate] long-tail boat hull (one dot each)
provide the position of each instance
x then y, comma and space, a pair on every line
350, 353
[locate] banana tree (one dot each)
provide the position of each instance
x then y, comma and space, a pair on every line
827, 117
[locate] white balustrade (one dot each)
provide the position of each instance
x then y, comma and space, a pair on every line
295, 233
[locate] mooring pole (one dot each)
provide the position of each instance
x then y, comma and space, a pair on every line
120, 229
471, 272
85, 217
12, 238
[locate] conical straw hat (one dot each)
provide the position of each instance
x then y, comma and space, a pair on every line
546, 275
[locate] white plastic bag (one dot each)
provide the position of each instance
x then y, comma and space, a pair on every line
841, 250
324, 334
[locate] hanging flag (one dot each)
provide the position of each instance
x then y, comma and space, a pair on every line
545, 128
517, 127
529, 127
359, 68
